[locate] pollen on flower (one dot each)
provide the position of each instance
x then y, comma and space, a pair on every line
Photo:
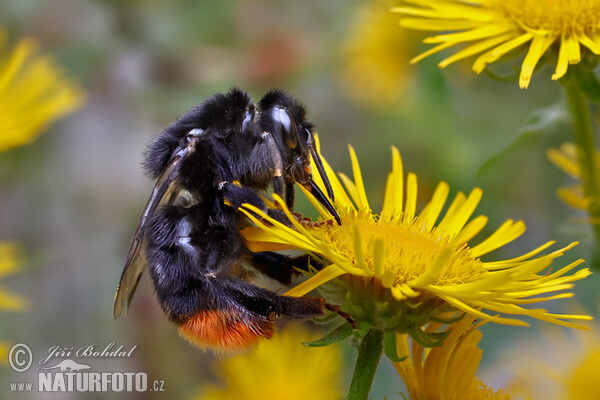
400, 250
564, 17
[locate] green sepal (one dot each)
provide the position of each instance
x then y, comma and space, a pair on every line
510, 78
389, 346
326, 318
427, 339
393, 321
381, 306
448, 320
362, 329
337, 335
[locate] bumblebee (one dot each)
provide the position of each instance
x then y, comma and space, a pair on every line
225, 150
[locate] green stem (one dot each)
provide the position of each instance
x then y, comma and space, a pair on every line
369, 353
586, 143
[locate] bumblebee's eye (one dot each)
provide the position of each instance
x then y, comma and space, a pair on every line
288, 127
194, 133
247, 119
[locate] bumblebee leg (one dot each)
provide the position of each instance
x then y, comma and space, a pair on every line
268, 304
274, 154
281, 268
290, 195
278, 186
238, 195
278, 266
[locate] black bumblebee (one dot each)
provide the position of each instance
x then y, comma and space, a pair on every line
226, 148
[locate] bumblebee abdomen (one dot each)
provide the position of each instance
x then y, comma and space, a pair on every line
225, 331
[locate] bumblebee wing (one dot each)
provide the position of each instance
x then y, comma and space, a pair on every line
165, 191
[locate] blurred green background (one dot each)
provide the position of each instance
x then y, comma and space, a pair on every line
74, 197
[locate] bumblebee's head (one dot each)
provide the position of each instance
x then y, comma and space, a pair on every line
285, 118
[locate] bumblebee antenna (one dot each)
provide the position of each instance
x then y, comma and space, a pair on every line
319, 164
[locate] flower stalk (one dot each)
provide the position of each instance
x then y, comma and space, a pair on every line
586, 143
369, 353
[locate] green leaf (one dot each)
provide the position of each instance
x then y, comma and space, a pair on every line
389, 346
540, 119
427, 339
338, 334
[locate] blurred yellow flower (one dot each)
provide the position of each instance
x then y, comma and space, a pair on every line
446, 372
9, 260
553, 365
281, 368
405, 264
566, 158
4, 352
492, 28
9, 256
375, 56
33, 93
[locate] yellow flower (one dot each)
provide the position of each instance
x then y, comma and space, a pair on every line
375, 56
492, 28
281, 368
566, 160
400, 264
33, 93
446, 372
553, 365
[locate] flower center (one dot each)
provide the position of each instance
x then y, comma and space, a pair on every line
554, 16
408, 249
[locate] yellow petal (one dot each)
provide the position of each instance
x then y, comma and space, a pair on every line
363, 202
569, 49
393, 199
483, 32
432, 210
437, 24
472, 228
594, 46
538, 46
431, 51
455, 221
325, 275
497, 52
507, 232
411, 196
